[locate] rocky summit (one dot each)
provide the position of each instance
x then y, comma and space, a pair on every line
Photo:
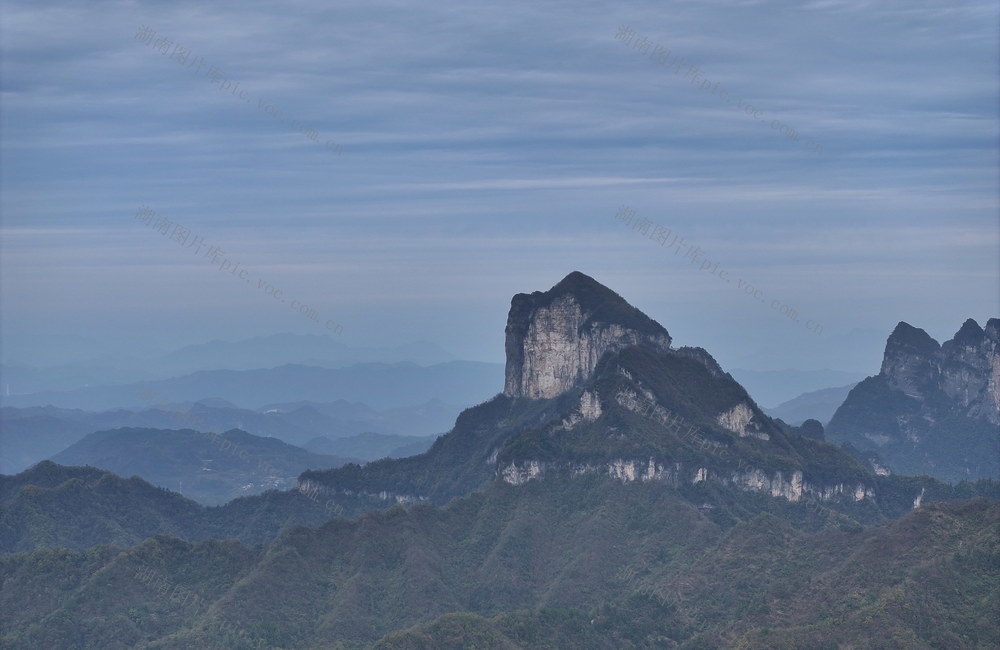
593, 387
555, 338
932, 409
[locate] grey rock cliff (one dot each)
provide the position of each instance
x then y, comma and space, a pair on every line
970, 369
932, 408
554, 339
965, 371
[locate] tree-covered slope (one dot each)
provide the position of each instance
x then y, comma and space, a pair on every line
645, 564
51, 506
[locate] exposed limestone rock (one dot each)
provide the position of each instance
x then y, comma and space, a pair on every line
556, 338
932, 409
965, 369
590, 406
908, 363
315, 488
739, 420
792, 488
622, 470
521, 474
588, 411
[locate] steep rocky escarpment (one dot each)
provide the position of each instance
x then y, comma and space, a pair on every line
932, 409
788, 485
593, 387
556, 338
651, 415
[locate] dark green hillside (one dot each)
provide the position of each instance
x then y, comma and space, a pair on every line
510, 430
457, 463
686, 388
76, 507
51, 506
526, 565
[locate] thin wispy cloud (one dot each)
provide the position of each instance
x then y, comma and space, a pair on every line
499, 138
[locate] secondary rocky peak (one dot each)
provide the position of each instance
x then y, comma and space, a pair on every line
992, 330
706, 359
910, 340
970, 334
933, 408
908, 361
970, 369
555, 338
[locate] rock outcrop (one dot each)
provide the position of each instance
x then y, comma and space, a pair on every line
593, 387
932, 408
791, 486
555, 338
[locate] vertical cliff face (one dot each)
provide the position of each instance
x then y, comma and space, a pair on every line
910, 361
932, 408
963, 372
970, 369
554, 339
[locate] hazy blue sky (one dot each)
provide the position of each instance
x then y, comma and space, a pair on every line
486, 148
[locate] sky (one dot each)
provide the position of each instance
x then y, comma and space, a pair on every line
159, 185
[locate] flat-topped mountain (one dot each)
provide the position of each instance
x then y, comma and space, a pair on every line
932, 409
594, 387
556, 338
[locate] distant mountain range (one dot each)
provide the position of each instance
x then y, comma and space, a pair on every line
381, 386
816, 405
212, 469
774, 388
371, 446
28, 435
933, 408
250, 354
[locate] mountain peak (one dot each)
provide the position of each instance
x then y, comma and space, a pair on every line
578, 282
969, 334
992, 329
555, 338
933, 408
913, 337
908, 352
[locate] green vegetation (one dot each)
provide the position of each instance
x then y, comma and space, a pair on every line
568, 559
52, 506
583, 562
686, 388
